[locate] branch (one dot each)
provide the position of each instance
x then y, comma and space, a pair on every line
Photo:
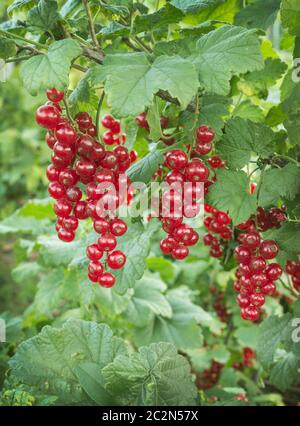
91, 23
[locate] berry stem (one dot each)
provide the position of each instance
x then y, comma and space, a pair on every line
98, 114
68, 111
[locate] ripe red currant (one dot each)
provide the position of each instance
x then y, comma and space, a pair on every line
116, 259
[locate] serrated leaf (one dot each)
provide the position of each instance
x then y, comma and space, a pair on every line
91, 380
136, 244
214, 110
44, 16
156, 375
287, 185
273, 331
181, 329
248, 111
7, 48
51, 69
49, 359
241, 138
132, 81
231, 193
292, 125
184, 47
20, 5
143, 170
260, 14
287, 237
148, 300
115, 29
290, 16
224, 52
285, 372
153, 119
162, 17
194, 6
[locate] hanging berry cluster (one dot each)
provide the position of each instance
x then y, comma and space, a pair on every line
79, 163
217, 224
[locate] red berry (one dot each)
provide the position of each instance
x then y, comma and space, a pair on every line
133, 156
203, 149
115, 127
66, 236
56, 190
268, 288
73, 194
257, 264
223, 218
116, 259
118, 227
167, 245
183, 234
268, 249
85, 168
52, 173
107, 121
62, 207
180, 252
242, 254
47, 116
252, 313
257, 299
107, 242
80, 210
196, 171
273, 271
50, 139
164, 122
258, 279
141, 121
83, 120
205, 134
68, 177
101, 226
104, 175
109, 161
121, 153
176, 159
243, 301
216, 162
70, 223
107, 280
108, 138
193, 240
251, 240
95, 268
85, 146
93, 252
55, 95
65, 134
207, 239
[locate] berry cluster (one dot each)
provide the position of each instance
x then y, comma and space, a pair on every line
255, 278
208, 378
264, 220
217, 224
80, 163
219, 306
293, 269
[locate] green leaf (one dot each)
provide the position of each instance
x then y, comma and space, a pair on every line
115, 29
20, 5
91, 380
136, 244
287, 237
49, 360
50, 69
7, 48
181, 329
285, 372
153, 119
224, 12
258, 82
290, 16
44, 16
273, 331
287, 184
156, 375
143, 170
214, 110
248, 111
38, 208
161, 18
194, 6
241, 138
260, 14
231, 193
132, 81
148, 300
292, 125
224, 52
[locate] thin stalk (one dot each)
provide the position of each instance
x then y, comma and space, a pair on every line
18, 37
68, 111
98, 113
19, 58
91, 23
